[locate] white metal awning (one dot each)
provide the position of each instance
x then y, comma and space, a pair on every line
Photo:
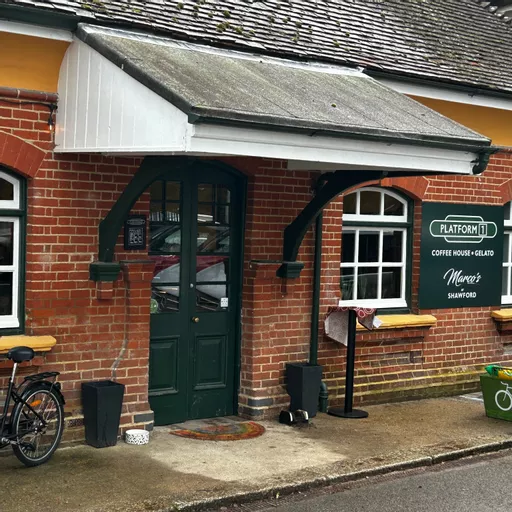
127, 93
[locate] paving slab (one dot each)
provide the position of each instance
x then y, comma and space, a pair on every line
173, 472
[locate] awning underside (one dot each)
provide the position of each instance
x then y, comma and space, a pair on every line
264, 101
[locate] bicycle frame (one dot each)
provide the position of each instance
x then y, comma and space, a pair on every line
14, 393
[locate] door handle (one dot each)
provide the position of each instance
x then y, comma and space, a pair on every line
195, 319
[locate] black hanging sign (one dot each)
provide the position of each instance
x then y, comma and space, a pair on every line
461, 255
135, 232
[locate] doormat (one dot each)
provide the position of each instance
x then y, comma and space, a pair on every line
218, 430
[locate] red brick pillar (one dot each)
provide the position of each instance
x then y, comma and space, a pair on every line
268, 339
134, 363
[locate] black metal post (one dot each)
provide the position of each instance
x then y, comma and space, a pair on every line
347, 411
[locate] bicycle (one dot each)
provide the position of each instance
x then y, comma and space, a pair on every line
503, 398
35, 425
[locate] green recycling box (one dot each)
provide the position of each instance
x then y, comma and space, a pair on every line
497, 397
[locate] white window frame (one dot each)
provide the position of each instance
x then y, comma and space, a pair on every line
380, 223
507, 298
12, 321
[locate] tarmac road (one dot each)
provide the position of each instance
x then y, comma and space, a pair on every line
480, 485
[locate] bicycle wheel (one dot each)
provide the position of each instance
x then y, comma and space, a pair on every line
37, 440
503, 400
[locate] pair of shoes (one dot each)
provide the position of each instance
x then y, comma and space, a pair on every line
291, 418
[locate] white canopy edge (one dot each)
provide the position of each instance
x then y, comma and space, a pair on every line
104, 110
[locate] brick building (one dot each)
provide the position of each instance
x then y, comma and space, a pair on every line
211, 126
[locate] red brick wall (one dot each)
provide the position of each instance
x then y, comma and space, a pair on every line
71, 193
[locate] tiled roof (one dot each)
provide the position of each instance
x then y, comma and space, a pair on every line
457, 41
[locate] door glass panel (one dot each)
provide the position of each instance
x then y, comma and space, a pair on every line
165, 299
156, 191
205, 213
6, 240
165, 290
5, 293
222, 214
205, 193
223, 195
172, 212
504, 281
172, 191
506, 248
165, 238
213, 239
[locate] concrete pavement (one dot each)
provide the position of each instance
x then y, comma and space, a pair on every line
173, 472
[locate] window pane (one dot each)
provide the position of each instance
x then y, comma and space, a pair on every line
6, 190
507, 211
6, 293
165, 299
167, 269
205, 193
506, 248
214, 239
348, 248
392, 246
367, 282
156, 191
172, 191
6, 243
172, 212
211, 269
392, 206
209, 296
504, 281
368, 246
205, 213
223, 195
223, 214
349, 203
165, 238
391, 282
347, 283
369, 203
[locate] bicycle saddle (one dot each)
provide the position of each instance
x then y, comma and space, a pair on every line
20, 354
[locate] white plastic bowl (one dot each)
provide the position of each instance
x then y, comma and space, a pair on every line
136, 436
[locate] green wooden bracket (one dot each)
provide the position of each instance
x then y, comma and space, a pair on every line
101, 271
335, 184
110, 227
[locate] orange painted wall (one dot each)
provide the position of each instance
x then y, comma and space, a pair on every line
30, 62
491, 122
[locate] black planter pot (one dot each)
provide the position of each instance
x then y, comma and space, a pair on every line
102, 402
303, 386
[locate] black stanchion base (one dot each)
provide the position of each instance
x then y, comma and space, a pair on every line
340, 413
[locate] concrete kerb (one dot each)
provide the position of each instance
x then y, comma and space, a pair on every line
287, 489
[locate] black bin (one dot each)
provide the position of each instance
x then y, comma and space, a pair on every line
303, 386
102, 402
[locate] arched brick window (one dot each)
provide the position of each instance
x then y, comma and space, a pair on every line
376, 234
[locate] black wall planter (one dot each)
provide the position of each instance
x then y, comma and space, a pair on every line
102, 403
303, 386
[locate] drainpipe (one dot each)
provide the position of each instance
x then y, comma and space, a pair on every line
315, 310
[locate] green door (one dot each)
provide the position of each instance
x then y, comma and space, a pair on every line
196, 222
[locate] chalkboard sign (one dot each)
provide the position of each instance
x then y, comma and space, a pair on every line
461, 255
135, 232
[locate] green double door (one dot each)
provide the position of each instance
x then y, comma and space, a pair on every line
195, 238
